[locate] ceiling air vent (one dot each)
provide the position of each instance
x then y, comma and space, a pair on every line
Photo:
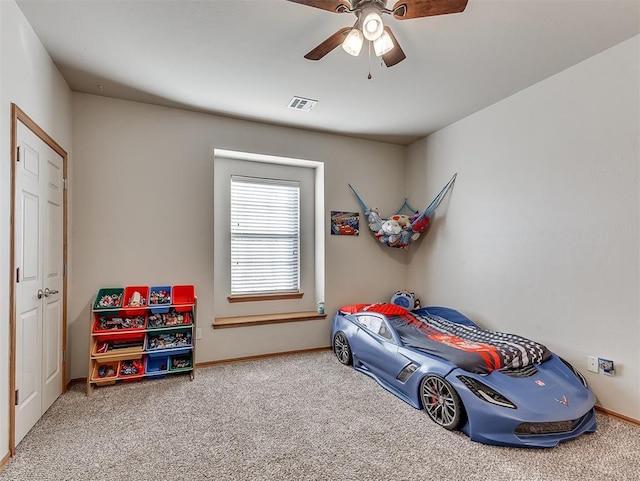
300, 103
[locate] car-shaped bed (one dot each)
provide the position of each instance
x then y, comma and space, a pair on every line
497, 388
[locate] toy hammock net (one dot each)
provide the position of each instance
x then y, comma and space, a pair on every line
401, 229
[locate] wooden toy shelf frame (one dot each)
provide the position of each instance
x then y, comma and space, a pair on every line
139, 352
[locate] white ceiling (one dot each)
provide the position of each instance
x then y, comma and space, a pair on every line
244, 58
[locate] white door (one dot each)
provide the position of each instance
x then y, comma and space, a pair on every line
39, 280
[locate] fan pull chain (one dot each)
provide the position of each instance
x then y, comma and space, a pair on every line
369, 77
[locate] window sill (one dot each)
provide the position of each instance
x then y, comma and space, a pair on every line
262, 319
266, 297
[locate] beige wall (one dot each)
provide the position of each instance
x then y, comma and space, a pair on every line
540, 235
30, 80
143, 214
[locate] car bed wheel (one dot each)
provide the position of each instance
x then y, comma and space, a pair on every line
341, 348
441, 402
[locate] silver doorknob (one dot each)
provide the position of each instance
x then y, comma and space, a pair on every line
49, 292
41, 294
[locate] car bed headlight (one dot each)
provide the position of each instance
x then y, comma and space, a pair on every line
486, 393
578, 374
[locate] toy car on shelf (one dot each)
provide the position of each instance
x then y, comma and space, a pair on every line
497, 388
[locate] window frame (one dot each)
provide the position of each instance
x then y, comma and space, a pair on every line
311, 174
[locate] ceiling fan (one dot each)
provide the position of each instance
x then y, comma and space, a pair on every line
369, 24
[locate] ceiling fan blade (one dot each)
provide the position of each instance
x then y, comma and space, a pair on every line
395, 55
337, 6
405, 9
328, 45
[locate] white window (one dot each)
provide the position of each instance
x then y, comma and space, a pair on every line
265, 235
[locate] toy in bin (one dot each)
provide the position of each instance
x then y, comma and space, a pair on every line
168, 340
171, 318
135, 296
112, 300
103, 347
109, 298
106, 323
181, 362
106, 370
131, 367
113, 345
136, 300
160, 296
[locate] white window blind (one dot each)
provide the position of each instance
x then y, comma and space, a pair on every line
265, 235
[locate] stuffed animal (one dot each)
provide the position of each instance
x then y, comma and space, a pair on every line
404, 299
374, 220
395, 231
402, 220
389, 232
422, 224
391, 227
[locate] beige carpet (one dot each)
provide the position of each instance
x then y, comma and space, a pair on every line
297, 417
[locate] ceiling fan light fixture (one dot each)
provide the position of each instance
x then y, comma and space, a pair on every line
353, 43
372, 26
383, 44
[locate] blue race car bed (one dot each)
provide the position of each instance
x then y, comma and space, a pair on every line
497, 388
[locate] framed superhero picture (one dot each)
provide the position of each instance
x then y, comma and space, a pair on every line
345, 223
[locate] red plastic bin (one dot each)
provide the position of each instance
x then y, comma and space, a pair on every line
128, 294
184, 294
126, 365
113, 328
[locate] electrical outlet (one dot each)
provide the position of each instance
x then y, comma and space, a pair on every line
198, 333
592, 363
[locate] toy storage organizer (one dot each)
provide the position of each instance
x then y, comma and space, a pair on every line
141, 332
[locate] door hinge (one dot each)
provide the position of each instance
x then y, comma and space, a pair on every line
18, 156
64, 356
65, 184
17, 398
64, 270
18, 275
